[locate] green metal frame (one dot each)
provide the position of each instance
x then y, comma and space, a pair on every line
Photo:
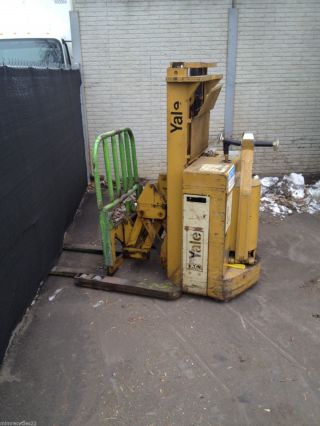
125, 183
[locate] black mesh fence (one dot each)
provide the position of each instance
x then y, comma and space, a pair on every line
42, 180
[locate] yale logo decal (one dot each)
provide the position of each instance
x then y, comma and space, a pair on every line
195, 249
176, 120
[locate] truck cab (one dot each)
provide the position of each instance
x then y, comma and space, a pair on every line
35, 52
35, 33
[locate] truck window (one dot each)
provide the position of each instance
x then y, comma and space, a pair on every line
41, 52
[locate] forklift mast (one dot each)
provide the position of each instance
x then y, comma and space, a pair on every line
191, 94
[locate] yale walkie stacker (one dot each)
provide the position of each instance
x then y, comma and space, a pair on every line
204, 210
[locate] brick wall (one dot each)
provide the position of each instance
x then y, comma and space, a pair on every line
127, 46
126, 49
278, 82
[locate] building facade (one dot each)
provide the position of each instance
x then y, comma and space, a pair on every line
126, 46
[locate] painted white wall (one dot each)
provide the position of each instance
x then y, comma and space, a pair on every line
128, 44
126, 49
278, 82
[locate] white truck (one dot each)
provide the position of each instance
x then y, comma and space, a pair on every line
35, 33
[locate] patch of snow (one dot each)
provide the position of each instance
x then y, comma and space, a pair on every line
296, 179
268, 182
294, 186
283, 196
53, 296
314, 191
97, 277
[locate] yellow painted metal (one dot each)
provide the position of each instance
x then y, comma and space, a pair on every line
182, 148
138, 232
135, 232
151, 204
127, 229
210, 176
119, 232
178, 131
162, 185
246, 161
141, 237
175, 77
163, 252
116, 260
152, 228
191, 65
200, 123
234, 282
236, 265
253, 217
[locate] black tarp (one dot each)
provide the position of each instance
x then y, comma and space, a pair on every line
42, 180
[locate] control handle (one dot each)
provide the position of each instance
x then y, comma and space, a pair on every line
233, 142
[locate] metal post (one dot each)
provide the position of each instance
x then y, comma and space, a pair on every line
231, 71
123, 162
106, 157
116, 165
128, 157
77, 61
247, 147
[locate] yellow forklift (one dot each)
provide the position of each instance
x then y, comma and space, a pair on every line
204, 210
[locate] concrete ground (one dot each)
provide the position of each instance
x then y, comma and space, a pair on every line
88, 357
